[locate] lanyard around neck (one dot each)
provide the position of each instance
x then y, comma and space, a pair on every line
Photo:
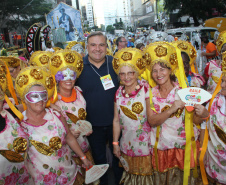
96, 71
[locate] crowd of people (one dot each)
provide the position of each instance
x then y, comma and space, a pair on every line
130, 97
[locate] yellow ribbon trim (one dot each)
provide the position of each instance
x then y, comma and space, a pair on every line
13, 108
157, 133
188, 122
10, 85
187, 156
193, 70
193, 145
54, 97
24, 106
147, 76
189, 131
205, 141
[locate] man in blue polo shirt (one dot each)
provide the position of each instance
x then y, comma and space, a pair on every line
99, 83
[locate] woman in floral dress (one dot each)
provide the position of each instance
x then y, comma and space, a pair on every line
130, 118
49, 156
167, 118
13, 143
215, 161
213, 71
70, 100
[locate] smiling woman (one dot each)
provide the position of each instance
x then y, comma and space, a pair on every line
130, 118
215, 157
71, 102
166, 115
48, 155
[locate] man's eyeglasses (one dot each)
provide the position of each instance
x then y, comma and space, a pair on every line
123, 41
129, 74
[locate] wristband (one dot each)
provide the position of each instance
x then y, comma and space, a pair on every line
206, 117
115, 143
83, 158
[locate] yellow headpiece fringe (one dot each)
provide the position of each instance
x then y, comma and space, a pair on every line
129, 57
189, 49
206, 136
221, 40
63, 59
30, 76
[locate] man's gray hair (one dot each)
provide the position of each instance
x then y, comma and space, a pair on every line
96, 33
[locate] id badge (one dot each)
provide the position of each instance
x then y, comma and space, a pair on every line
107, 82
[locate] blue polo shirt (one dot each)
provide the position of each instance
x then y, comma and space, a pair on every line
99, 102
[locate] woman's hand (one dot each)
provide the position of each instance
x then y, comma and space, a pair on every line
89, 133
116, 151
178, 104
86, 163
55, 107
201, 111
76, 133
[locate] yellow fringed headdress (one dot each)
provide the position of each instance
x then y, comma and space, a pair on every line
4, 71
40, 58
64, 59
83, 44
71, 44
3, 80
223, 64
109, 52
161, 52
221, 40
57, 48
33, 75
11, 61
189, 49
131, 57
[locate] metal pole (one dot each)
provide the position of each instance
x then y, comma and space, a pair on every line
77, 4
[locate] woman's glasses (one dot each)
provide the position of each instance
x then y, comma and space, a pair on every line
129, 74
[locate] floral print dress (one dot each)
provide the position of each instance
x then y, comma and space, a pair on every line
216, 151
48, 156
135, 140
12, 169
171, 142
77, 108
214, 75
172, 131
196, 80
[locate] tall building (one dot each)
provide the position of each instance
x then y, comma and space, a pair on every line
142, 12
107, 12
89, 13
124, 11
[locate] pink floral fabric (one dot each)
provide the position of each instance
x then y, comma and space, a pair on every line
197, 80
12, 173
216, 151
172, 131
135, 138
214, 71
73, 107
53, 169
